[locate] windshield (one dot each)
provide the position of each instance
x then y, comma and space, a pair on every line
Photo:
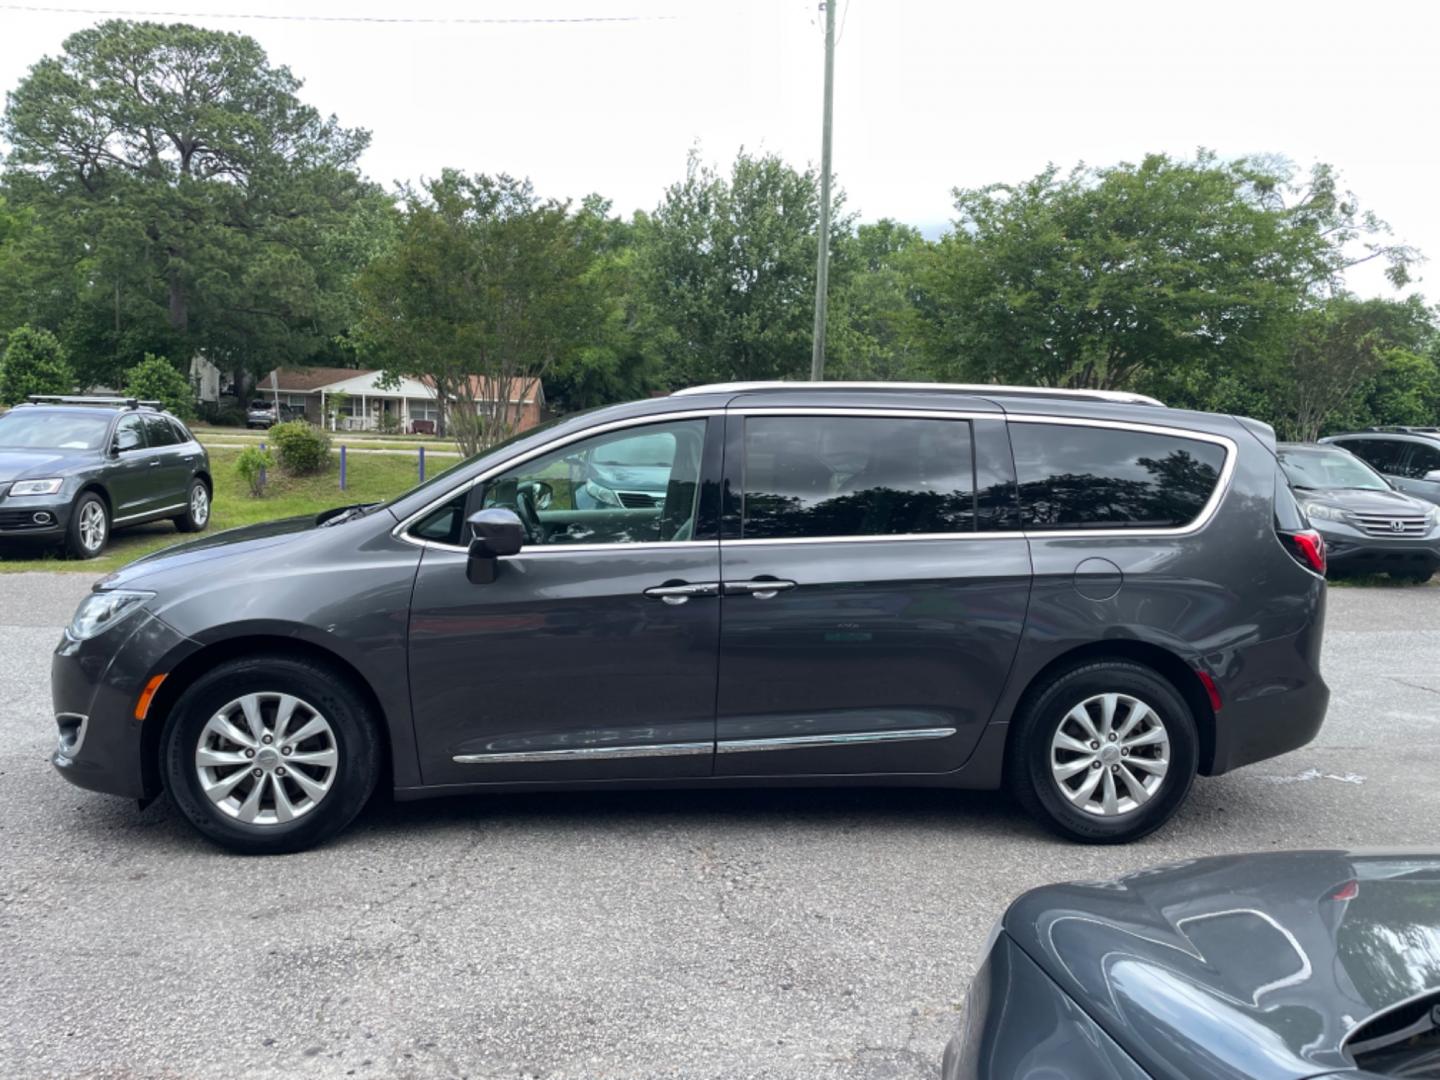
27, 430
1329, 470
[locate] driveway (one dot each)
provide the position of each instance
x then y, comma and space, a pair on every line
721, 935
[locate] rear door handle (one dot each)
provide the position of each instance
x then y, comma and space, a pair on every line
154, 463
761, 589
679, 592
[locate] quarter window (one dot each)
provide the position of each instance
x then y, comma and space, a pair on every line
1074, 477
639, 484
832, 476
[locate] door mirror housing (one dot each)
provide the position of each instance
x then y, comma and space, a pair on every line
494, 534
1432, 477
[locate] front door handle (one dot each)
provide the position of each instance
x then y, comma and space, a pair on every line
678, 592
154, 463
761, 589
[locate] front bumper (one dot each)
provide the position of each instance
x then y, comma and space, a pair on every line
94, 686
18, 513
1352, 549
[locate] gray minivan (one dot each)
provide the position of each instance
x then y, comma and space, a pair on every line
1084, 597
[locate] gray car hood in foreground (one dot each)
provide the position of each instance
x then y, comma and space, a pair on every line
1251, 966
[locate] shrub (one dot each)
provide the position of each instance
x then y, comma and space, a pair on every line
34, 363
302, 449
251, 465
155, 379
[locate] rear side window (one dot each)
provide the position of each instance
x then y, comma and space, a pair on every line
181, 431
1074, 477
836, 476
158, 431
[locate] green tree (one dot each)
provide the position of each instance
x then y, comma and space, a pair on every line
156, 379
485, 289
873, 333
1183, 277
727, 271
191, 202
1340, 355
34, 363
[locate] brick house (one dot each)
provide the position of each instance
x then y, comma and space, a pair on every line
410, 406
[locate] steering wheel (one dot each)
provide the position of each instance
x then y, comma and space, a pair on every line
529, 496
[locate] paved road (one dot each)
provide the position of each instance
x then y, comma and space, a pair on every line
715, 935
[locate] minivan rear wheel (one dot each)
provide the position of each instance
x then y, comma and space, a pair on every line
1104, 752
267, 754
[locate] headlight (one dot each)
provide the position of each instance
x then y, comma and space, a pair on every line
1321, 512
102, 610
1434, 516
601, 494
36, 487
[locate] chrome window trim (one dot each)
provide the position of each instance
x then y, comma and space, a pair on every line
400, 531
1208, 511
848, 738
586, 753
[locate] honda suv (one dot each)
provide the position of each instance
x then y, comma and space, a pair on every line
1083, 597
1408, 457
74, 468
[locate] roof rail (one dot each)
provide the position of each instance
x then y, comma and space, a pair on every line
1405, 428
90, 399
1118, 397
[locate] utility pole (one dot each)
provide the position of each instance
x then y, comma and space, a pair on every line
822, 258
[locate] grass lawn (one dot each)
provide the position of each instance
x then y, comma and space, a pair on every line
369, 477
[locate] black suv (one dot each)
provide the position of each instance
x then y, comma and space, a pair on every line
74, 468
1409, 457
1084, 598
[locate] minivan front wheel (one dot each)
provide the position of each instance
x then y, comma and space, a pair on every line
1104, 753
267, 754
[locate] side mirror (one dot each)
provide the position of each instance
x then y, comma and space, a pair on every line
1432, 477
494, 534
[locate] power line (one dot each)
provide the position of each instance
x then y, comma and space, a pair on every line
438, 21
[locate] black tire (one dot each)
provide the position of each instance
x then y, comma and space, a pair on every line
329, 694
78, 544
197, 510
1045, 708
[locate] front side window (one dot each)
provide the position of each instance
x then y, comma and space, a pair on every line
129, 434
636, 485
838, 476
1080, 477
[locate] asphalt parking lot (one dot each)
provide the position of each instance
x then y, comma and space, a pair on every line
729, 934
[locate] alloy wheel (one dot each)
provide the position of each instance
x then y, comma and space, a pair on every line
92, 526
199, 504
267, 758
1110, 755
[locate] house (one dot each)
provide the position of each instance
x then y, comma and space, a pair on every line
411, 405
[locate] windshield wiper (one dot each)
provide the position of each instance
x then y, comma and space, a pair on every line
344, 513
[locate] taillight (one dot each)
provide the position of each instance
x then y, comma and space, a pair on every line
1308, 548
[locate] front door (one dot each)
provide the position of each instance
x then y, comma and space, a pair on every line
871, 611
128, 479
592, 654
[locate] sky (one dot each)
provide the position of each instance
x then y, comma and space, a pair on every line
929, 95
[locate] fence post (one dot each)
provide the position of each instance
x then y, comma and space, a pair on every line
422, 464
342, 466
263, 477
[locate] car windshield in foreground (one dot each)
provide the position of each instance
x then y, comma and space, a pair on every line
27, 430
1329, 470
